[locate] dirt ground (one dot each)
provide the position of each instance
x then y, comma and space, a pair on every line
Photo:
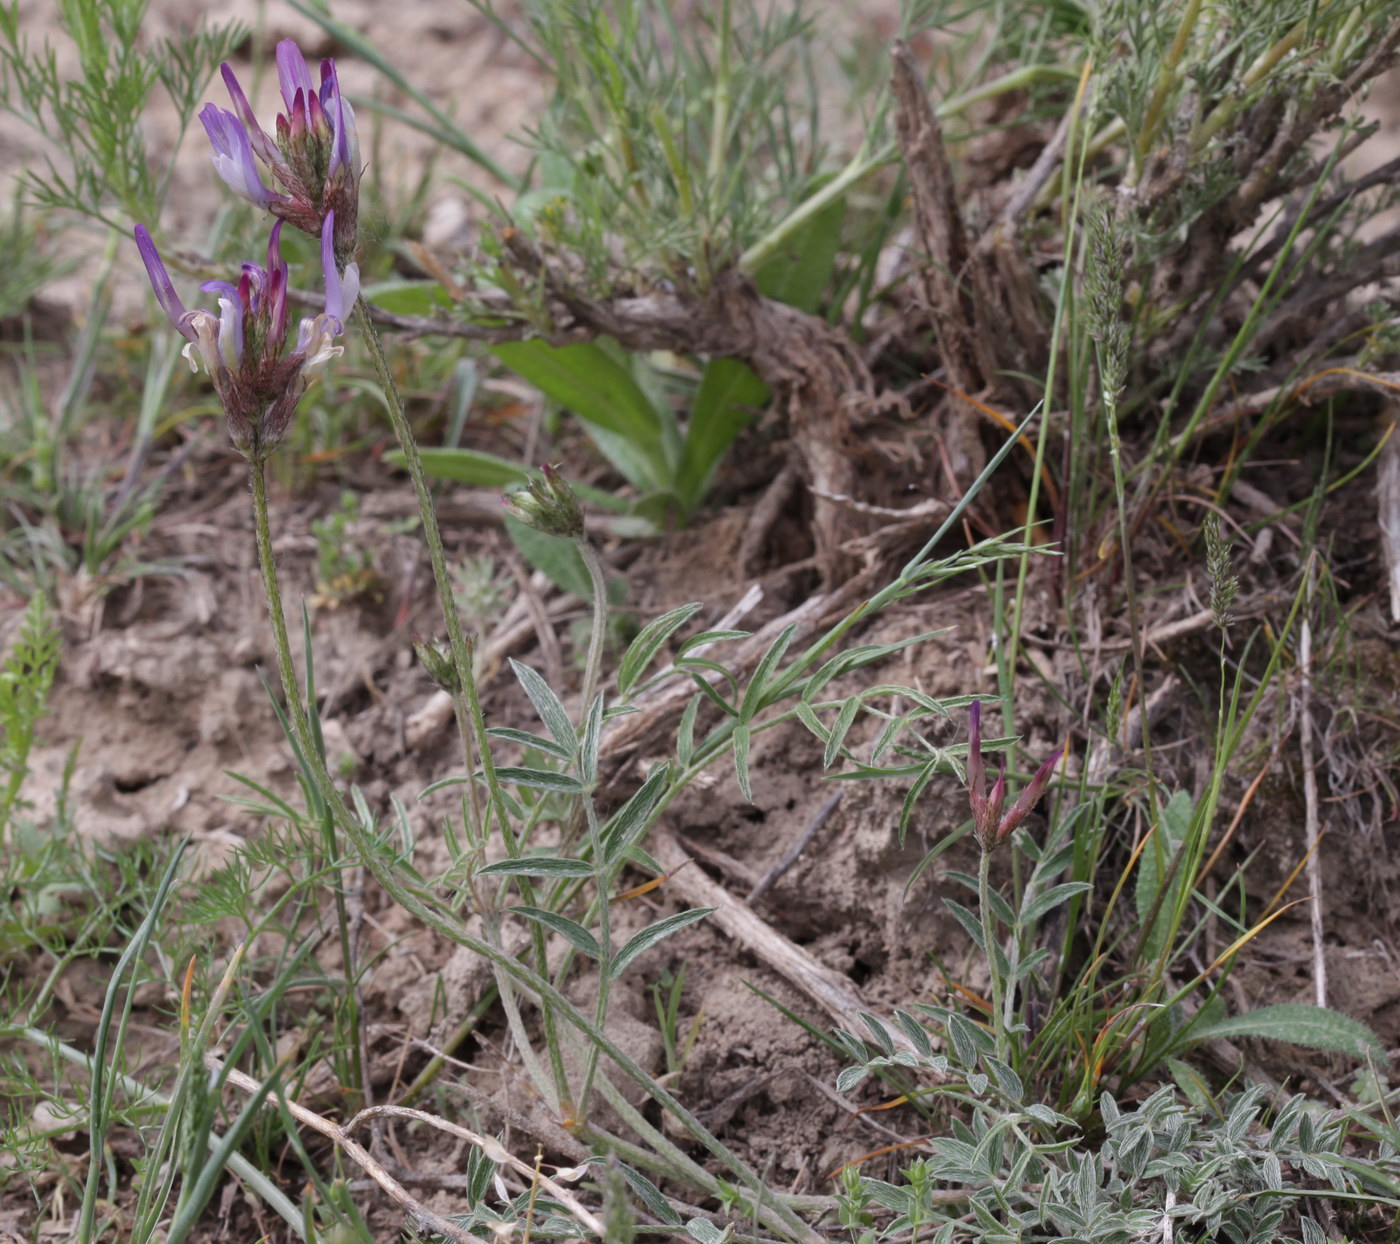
162, 683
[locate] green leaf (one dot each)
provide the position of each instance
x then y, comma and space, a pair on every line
741, 760
465, 466
728, 399
540, 779
509, 735
547, 705
839, 730
587, 380
685, 732
1314, 1027
642, 650
538, 866
799, 273
710, 637
632, 818
555, 557
571, 931
1042, 904
652, 934
1153, 867
762, 676
422, 298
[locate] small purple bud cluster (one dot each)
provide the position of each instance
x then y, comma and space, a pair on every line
315, 157
258, 373
989, 825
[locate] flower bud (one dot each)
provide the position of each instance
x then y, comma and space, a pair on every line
436, 661
315, 157
547, 504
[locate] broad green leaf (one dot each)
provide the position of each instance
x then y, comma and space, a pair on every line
728, 399
587, 380
741, 760
540, 779
800, 272
652, 934
570, 930
422, 298
538, 866
466, 466
642, 650
555, 557
547, 705
1314, 1027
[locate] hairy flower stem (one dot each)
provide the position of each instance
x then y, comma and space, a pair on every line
466, 702
298, 712
471, 725
984, 901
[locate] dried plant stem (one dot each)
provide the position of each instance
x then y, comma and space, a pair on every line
356, 1152
1310, 799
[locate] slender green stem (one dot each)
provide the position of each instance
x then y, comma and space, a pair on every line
466, 701
989, 937
471, 725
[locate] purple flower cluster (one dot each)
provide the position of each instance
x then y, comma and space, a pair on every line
315, 157
990, 826
258, 373
243, 345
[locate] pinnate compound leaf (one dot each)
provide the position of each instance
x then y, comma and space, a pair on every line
1313, 1027
653, 933
570, 930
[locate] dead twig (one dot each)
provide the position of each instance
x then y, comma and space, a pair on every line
1310, 801
357, 1153
829, 989
794, 852
494, 1150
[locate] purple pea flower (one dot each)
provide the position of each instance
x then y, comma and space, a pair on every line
244, 345
989, 825
315, 158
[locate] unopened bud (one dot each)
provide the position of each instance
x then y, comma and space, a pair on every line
436, 661
547, 504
